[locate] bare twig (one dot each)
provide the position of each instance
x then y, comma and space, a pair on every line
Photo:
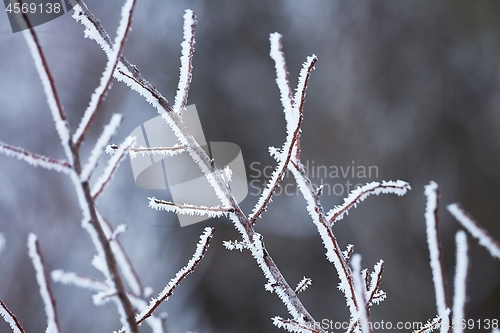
189, 209
460, 295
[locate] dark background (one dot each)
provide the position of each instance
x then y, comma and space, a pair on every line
409, 87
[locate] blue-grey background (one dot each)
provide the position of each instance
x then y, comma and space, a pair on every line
410, 87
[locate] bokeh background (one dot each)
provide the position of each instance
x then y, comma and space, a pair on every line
412, 88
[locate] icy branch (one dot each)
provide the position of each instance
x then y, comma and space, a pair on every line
110, 169
201, 249
434, 243
78, 280
45, 291
475, 229
96, 153
165, 151
35, 159
303, 284
186, 70
186, 209
50, 90
360, 290
234, 245
107, 76
460, 282
359, 194
294, 121
375, 294
10, 318
282, 81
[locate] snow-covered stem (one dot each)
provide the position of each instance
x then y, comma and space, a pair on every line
43, 283
375, 295
35, 159
49, 86
435, 251
234, 245
475, 229
107, 76
460, 294
293, 118
186, 209
107, 133
129, 74
201, 249
78, 280
333, 252
276, 53
360, 290
110, 169
359, 194
165, 151
123, 261
10, 318
186, 69
303, 284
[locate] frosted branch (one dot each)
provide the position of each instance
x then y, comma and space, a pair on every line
186, 70
359, 194
78, 280
50, 90
234, 245
282, 81
460, 282
45, 291
303, 284
35, 159
360, 290
434, 243
164, 151
110, 169
475, 229
186, 209
10, 318
103, 140
129, 74
294, 121
201, 249
107, 76
122, 259
375, 295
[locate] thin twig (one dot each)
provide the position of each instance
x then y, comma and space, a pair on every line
35, 159
436, 253
43, 283
460, 295
10, 318
475, 229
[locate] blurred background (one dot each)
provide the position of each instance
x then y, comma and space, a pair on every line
409, 88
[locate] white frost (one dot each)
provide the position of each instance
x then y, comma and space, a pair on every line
35, 159
475, 230
431, 192
360, 290
460, 281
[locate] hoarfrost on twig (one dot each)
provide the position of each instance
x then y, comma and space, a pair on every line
460, 295
436, 260
475, 229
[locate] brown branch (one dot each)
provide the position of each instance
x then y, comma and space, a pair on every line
87, 122
10, 318
35, 159
240, 220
